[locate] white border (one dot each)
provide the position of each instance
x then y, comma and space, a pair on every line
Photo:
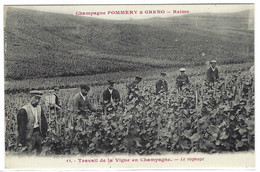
41, 2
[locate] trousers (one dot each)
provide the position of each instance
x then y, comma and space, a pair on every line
35, 142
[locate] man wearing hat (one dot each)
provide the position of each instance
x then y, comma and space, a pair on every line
161, 85
182, 79
32, 124
80, 103
212, 72
111, 95
133, 87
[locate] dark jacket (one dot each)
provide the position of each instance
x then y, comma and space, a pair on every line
132, 87
107, 96
79, 105
161, 86
182, 80
57, 100
25, 123
212, 76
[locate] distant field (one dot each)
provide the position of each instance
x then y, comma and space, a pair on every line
46, 45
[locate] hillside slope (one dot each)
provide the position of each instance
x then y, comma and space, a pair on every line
41, 44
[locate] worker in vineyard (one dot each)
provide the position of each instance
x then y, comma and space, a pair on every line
161, 85
55, 106
32, 124
133, 88
111, 96
182, 79
80, 103
212, 72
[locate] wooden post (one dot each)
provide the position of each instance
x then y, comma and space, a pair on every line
196, 99
104, 113
49, 108
215, 89
159, 126
72, 124
241, 90
253, 86
179, 130
225, 83
166, 99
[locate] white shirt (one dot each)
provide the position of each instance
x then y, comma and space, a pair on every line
84, 97
213, 69
110, 91
112, 101
34, 111
53, 98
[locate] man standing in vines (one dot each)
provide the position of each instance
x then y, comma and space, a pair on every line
212, 72
182, 79
111, 96
32, 124
161, 85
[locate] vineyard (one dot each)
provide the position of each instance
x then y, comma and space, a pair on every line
200, 118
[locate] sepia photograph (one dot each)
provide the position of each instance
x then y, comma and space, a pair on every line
129, 86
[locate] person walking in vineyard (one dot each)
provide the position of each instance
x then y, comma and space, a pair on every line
212, 72
132, 88
111, 96
182, 79
161, 85
32, 124
80, 103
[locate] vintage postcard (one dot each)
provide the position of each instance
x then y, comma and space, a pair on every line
129, 86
